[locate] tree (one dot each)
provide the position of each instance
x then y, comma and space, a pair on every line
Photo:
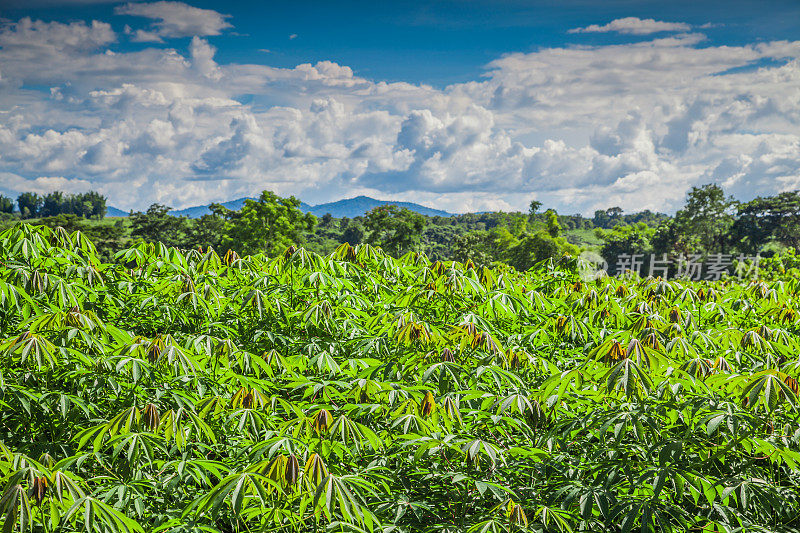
708, 215
774, 217
98, 204
703, 225
630, 239
108, 238
269, 224
533, 210
470, 246
517, 223
600, 219
6, 204
157, 225
29, 204
208, 231
438, 242
551, 221
395, 229
75, 205
353, 233
53, 204
531, 249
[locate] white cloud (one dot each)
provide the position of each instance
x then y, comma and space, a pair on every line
11, 183
143, 36
579, 128
35, 36
174, 19
635, 26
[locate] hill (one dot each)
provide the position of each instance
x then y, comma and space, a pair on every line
200, 210
358, 206
112, 211
350, 207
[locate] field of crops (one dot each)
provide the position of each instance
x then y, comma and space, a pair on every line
187, 392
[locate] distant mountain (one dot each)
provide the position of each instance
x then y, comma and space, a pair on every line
200, 210
191, 212
351, 207
358, 206
112, 211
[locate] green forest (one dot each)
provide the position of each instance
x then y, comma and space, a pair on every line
709, 223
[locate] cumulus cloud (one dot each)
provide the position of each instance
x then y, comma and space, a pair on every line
634, 26
578, 128
36, 35
174, 19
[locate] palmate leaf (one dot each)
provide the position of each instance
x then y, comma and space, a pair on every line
121, 424
628, 376
31, 347
475, 448
202, 471
593, 444
769, 389
552, 518
354, 434
94, 515
13, 296
491, 525
15, 508
447, 371
557, 385
342, 495
237, 489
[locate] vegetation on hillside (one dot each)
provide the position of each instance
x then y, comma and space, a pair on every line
709, 223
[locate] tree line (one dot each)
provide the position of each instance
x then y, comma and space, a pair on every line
32, 205
709, 222
271, 223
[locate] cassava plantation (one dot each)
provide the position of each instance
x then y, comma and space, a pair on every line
178, 391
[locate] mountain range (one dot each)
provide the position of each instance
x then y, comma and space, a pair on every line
350, 207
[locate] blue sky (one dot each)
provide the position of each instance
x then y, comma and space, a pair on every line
432, 42
461, 105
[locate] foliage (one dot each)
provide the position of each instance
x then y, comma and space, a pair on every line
183, 391
533, 208
780, 266
88, 205
776, 217
395, 229
268, 224
631, 239
551, 222
6, 204
157, 225
536, 247
29, 204
108, 237
613, 216
703, 225
470, 247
